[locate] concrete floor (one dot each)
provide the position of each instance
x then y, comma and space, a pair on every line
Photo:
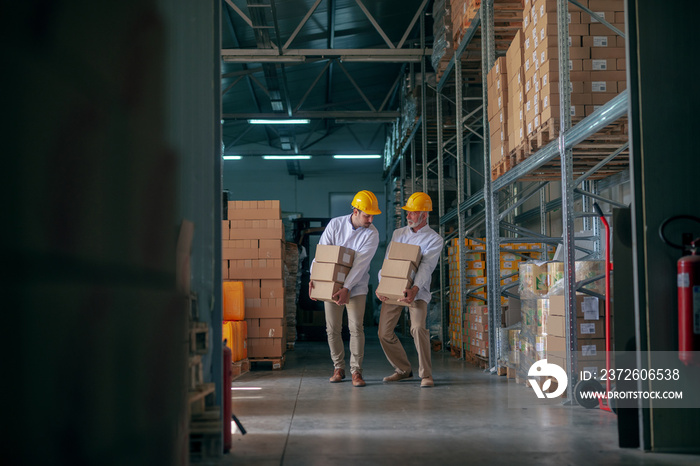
294, 416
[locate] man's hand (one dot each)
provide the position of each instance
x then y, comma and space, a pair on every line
341, 298
311, 287
409, 295
381, 298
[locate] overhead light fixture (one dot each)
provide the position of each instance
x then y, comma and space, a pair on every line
286, 157
232, 157
290, 121
358, 156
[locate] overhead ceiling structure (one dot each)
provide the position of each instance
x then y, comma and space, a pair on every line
338, 64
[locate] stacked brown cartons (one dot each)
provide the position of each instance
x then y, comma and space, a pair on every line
497, 89
330, 269
607, 63
544, 36
477, 323
516, 97
590, 333
398, 271
457, 10
253, 247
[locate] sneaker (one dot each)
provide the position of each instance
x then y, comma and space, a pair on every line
357, 380
396, 376
338, 375
427, 382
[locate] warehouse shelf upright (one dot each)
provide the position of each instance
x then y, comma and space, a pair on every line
496, 207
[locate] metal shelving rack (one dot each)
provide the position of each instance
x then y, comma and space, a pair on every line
490, 194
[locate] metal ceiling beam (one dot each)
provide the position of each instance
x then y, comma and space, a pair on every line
420, 11
296, 55
374, 23
301, 25
347, 114
357, 88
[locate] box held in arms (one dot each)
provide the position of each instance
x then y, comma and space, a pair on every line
398, 271
329, 271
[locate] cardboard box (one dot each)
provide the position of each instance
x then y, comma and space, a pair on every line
591, 348
393, 288
266, 347
608, 52
271, 249
600, 29
249, 210
329, 272
399, 269
614, 5
240, 249
403, 251
600, 41
604, 87
587, 307
271, 328
556, 326
334, 254
224, 269
588, 329
251, 288
256, 229
324, 291
264, 308
255, 268
556, 345
271, 289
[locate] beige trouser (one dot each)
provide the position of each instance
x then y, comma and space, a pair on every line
334, 326
389, 317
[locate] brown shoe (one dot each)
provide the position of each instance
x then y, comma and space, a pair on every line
427, 382
338, 375
396, 376
357, 380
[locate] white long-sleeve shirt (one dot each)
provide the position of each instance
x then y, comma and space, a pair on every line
431, 244
364, 241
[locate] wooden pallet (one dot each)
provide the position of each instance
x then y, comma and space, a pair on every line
201, 397
239, 368
501, 168
277, 363
520, 153
501, 370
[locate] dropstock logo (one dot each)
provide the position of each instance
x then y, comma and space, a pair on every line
543, 369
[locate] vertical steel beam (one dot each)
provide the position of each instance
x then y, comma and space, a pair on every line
567, 189
423, 112
441, 213
493, 263
460, 197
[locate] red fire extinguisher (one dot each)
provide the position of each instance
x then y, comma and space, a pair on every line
688, 282
228, 377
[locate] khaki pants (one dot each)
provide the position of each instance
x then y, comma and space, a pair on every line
391, 345
334, 326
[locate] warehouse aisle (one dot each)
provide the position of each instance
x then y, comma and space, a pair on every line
294, 417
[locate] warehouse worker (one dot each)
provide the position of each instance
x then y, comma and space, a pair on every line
356, 232
416, 298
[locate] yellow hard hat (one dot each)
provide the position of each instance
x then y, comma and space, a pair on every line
419, 202
367, 202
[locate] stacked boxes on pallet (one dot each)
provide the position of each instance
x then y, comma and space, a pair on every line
516, 97
443, 49
253, 254
291, 290
511, 256
498, 110
544, 326
463, 13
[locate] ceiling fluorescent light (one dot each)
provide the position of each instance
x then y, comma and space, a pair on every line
294, 121
358, 156
286, 157
232, 157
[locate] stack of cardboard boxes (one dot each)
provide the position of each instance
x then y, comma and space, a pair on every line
398, 271
498, 110
253, 253
463, 13
590, 333
331, 266
516, 99
443, 49
596, 59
